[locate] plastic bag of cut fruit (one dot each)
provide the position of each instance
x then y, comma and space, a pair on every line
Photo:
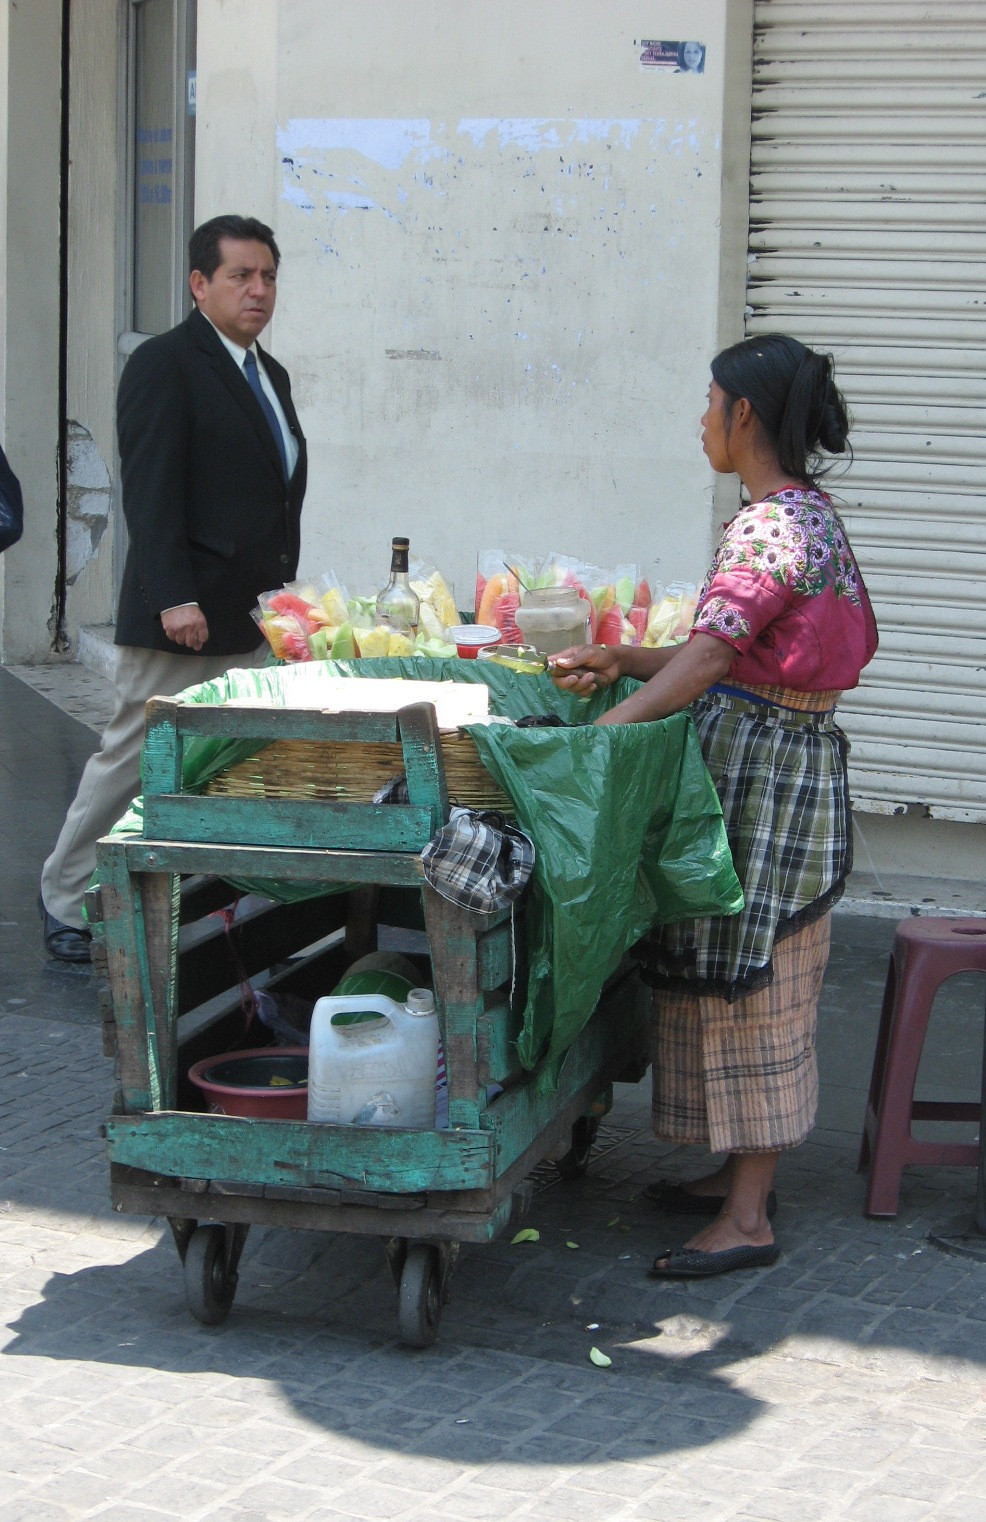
286, 620
436, 604
621, 598
671, 615
306, 621
498, 579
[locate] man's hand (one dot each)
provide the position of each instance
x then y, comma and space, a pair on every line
585, 668
186, 626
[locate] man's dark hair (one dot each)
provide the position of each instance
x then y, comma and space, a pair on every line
203, 246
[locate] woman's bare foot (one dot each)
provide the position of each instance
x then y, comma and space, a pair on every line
712, 1185
742, 1221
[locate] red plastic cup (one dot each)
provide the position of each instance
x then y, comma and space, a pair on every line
469, 639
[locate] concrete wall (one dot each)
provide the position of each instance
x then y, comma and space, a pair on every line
508, 247
94, 183
29, 108
29, 325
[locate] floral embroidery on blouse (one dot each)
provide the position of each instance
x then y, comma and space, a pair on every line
721, 617
793, 537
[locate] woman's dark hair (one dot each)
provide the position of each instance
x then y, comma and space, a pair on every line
792, 391
204, 253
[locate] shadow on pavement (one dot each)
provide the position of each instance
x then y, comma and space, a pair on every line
314, 1321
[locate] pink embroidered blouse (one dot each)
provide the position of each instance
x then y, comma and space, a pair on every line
784, 590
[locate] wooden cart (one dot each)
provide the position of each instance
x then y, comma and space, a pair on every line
171, 968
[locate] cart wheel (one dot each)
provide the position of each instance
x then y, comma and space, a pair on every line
575, 1162
209, 1286
420, 1305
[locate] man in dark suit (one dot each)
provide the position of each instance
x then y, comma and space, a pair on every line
212, 469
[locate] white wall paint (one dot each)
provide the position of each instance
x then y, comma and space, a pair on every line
500, 289
94, 217
30, 329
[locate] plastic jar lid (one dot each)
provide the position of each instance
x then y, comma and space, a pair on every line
474, 635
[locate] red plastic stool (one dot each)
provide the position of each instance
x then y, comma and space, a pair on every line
926, 952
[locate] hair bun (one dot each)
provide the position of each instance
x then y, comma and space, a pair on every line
833, 418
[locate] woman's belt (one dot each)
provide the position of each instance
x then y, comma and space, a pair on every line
783, 697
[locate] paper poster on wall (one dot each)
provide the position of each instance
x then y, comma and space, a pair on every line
680, 57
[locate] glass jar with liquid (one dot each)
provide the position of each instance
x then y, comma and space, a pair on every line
552, 618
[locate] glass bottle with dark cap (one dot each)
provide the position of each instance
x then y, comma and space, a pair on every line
397, 604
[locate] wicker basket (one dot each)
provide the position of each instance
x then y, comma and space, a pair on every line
346, 772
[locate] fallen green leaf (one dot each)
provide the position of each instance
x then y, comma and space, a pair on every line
571, 1244
599, 1359
527, 1235
614, 1222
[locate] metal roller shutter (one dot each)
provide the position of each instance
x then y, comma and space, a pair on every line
867, 222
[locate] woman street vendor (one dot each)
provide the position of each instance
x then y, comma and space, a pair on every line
783, 626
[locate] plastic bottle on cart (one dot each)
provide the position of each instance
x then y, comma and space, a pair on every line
373, 1061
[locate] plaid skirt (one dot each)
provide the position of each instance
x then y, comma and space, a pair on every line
743, 1077
781, 779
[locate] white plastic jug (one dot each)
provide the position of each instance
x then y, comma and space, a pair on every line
372, 1061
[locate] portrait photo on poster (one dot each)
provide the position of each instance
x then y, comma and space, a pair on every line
681, 57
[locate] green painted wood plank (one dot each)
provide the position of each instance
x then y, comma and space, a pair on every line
185, 1145
275, 863
497, 1032
264, 723
137, 1193
157, 898
495, 957
452, 933
424, 765
140, 931
161, 758
140, 1088
297, 822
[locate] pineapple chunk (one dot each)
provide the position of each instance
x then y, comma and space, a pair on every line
399, 644
429, 622
374, 642
334, 607
442, 601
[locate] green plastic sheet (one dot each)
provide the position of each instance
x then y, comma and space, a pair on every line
626, 823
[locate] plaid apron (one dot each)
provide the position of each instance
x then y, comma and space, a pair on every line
743, 1077
781, 779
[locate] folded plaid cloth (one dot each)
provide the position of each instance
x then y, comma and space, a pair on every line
480, 861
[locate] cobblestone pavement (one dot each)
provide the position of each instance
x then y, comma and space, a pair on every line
846, 1383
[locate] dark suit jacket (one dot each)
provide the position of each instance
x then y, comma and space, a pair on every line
210, 517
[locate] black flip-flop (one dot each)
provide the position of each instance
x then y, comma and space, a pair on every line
692, 1263
678, 1200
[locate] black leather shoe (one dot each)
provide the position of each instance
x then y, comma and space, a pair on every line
63, 941
675, 1199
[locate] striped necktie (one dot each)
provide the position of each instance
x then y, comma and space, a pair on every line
253, 377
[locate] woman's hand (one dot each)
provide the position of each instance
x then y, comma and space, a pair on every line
583, 669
